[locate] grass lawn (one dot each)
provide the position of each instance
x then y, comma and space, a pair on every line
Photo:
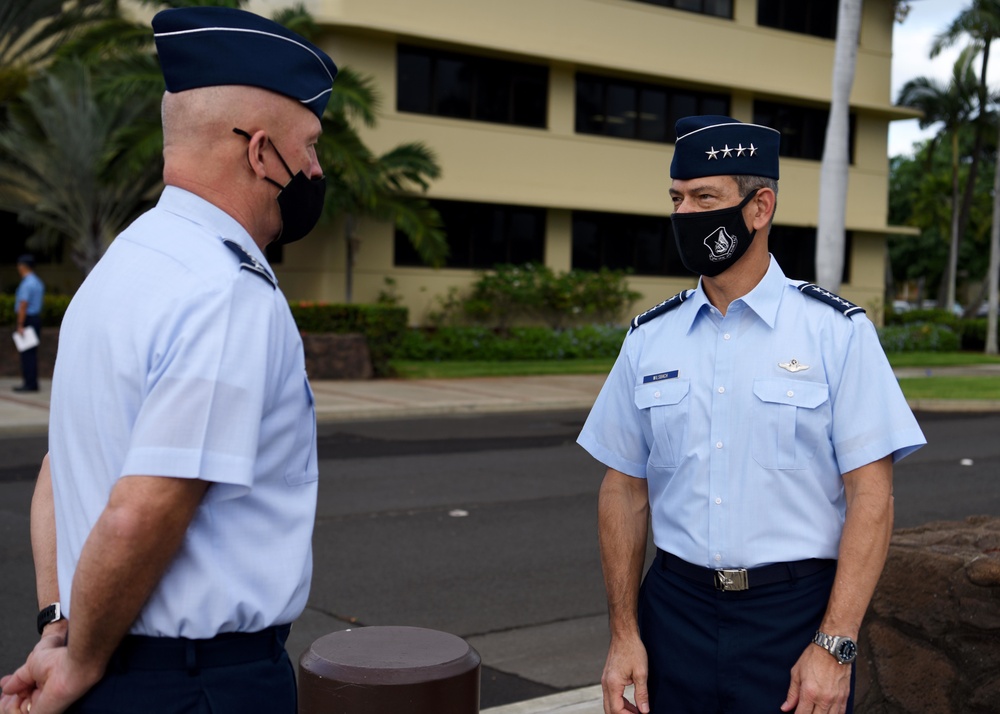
945, 387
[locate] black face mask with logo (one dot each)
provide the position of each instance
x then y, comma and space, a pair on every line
710, 242
300, 201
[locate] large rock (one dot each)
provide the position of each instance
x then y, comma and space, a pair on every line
931, 639
331, 356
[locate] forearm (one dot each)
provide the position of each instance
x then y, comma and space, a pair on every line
43, 538
623, 513
126, 554
864, 546
22, 313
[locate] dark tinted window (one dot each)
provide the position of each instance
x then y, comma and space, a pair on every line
795, 250
812, 17
482, 235
635, 110
643, 245
718, 8
469, 87
803, 129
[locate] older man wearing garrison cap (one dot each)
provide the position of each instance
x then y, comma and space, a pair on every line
755, 421
172, 519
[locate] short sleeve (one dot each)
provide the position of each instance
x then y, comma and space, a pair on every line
205, 392
614, 432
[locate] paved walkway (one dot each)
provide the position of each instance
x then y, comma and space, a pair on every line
391, 398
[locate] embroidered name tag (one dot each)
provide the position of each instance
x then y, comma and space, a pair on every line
672, 374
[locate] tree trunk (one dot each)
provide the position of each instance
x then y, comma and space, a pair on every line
993, 275
351, 238
832, 218
951, 274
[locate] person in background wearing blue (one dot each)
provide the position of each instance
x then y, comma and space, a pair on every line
28, 311
755, 420
173, 516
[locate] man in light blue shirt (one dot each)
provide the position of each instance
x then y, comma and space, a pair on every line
172, 520
755, 421
28, 311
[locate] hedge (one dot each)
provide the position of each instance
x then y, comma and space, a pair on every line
382, 325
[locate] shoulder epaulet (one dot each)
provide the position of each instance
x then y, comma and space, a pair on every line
663, 307
248, 262
835, 301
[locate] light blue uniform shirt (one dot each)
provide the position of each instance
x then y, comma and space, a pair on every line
743, 424
30, 290
174, 361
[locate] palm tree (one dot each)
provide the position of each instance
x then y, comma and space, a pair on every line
952, 104
61, 167
384, 187
32, 32
981, 23
830, 223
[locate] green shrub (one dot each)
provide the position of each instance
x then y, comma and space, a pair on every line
919, 337
454, 343
532, 293
382, 325
53, 310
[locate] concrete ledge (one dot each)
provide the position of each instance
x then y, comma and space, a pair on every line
588, 700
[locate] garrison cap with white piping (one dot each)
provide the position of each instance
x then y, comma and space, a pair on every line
712, 145
214, 46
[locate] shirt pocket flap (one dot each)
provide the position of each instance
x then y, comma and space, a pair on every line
808, 395
658, 394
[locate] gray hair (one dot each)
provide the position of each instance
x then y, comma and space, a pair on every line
746, 184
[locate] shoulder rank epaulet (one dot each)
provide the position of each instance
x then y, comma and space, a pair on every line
835, 301
248, 262
663, 307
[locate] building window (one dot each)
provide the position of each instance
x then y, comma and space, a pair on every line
468, 87
634, 110
803, 129
795, 250
482, 235
718, 8
816, 17
643, 245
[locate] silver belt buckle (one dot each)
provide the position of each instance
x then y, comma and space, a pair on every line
731, 580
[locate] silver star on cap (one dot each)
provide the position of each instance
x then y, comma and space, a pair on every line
752, 149
740, 149
726, 151
713, 154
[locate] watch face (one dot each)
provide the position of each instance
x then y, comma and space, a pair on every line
847, 651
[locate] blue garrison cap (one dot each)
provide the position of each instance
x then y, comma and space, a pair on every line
213, 46
722, 146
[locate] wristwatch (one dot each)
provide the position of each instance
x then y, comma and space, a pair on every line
843, 649
48, 615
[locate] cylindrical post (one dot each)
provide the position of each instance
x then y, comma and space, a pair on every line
389, 669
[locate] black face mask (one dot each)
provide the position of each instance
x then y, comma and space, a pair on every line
300, 201
710, 242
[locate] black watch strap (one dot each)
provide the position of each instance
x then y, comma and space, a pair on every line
49, 615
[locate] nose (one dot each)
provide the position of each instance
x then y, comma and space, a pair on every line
315, 170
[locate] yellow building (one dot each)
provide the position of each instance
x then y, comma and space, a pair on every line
553, 123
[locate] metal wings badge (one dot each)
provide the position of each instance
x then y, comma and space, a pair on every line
793, 365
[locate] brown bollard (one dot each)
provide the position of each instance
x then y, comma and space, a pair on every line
404, 670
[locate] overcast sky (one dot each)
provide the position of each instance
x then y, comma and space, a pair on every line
911, 43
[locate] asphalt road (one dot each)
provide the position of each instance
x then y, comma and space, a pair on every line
482, 526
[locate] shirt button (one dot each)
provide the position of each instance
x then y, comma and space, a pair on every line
718, 557
722, 390
718, 445
791, 393
656, 395
725, 336
718, 502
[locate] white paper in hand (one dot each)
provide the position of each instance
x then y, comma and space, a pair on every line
26, 340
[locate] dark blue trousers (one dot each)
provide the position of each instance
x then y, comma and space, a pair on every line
29, 358
714, 652
144, 678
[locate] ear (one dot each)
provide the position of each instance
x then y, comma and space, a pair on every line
763, 208
255, 153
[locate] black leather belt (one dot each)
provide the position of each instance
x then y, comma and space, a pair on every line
231, 648
735, 579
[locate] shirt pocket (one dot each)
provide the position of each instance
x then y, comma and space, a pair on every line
302, 465
789, 421
667, 406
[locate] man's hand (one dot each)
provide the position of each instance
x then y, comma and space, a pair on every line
626, 665
819, 684
48, 682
